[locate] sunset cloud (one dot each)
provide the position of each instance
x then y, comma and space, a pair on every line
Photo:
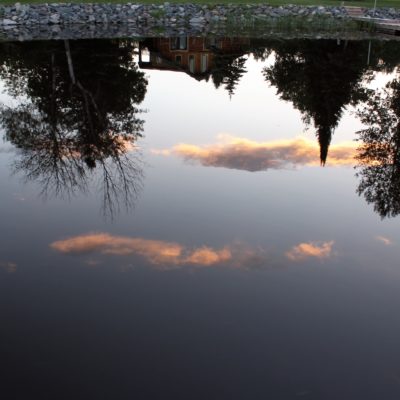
303, 251
386, 241
6, 150
156, 252
10, 267
243, 154
165, 255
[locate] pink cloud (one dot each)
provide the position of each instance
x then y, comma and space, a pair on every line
10, 267
243, 154
156, 252
303, 251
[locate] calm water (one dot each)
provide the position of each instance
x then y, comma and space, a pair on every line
193, 218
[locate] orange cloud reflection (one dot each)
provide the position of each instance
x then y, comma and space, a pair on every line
385, 240
243, 154
165, 255
157, 252
303, 251
10, 267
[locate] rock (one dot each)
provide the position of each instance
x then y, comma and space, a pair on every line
174, 18
54, 19
8, 22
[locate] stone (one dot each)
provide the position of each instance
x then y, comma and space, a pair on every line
8, 22
78, 19
196, 20
54, 19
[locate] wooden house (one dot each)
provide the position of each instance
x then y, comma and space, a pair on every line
195, 56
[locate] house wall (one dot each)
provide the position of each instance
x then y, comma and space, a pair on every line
197, 49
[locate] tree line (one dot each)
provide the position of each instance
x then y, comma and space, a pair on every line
78, 113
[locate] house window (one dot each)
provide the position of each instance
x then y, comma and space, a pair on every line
204, 62
145, 55
178, 43
191, 64
178, 59
213, 43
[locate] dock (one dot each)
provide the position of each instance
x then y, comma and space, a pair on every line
385, 26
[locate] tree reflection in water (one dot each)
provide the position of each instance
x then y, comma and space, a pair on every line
78, 118
379, 154
322, 77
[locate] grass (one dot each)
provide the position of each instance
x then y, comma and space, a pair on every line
360, 3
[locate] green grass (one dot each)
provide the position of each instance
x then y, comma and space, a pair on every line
361, 3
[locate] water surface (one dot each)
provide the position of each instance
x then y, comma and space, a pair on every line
199, 218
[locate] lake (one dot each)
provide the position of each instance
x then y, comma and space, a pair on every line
200, 218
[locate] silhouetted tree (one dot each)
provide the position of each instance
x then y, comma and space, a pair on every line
228, 71
77, 112
379, 154
320, 77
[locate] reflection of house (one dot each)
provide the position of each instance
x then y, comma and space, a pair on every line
193, 55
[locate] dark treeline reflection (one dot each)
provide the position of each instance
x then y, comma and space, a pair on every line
322, 77
76, 118
319, 77
77, 115
379, 153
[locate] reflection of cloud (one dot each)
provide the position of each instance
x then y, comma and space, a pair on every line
386, 241
18, 197
243, 154
127, 145
165, 255
92, 263
7, 150
157, 252
8, 266
121, 145
311, 249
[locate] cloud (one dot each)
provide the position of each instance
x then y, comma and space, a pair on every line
92, 263
386, 241
161, 254
243, 154
164, 255
10, 267
303, 251
7, 150
18, 197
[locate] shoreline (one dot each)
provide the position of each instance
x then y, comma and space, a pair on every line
70, 20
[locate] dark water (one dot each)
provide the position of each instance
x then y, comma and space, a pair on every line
194, 218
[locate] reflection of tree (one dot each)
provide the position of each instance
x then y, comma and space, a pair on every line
320, 78
228, 71
79, 118
379, 153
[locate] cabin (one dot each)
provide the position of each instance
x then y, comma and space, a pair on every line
192, 55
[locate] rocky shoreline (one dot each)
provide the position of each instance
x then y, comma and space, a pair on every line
164, 14
171, 14
24, 22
